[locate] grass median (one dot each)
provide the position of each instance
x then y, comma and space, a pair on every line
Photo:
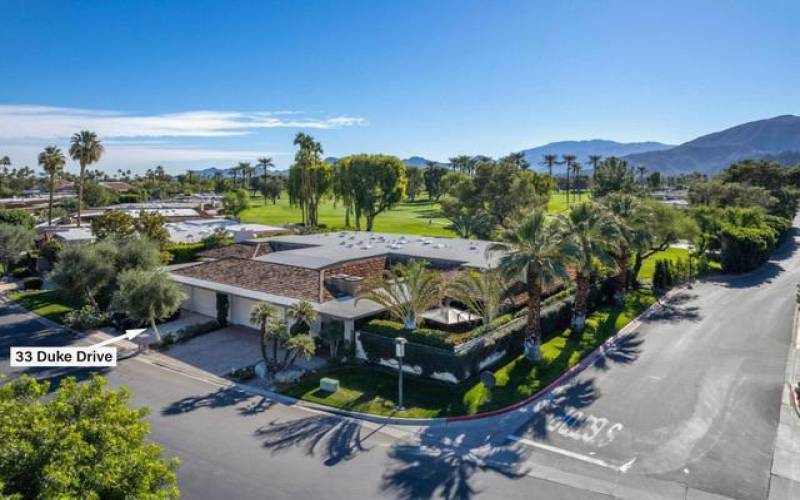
369, 389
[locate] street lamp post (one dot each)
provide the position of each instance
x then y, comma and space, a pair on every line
400, 352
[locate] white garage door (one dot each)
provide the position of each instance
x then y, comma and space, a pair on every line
204, 302
240, 311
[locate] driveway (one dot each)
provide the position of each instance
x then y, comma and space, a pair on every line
219, 351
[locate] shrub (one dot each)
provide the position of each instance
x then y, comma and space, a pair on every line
20, 272
84, 318
50, 250
32, 283
184, 252
197, 329
745, 248
223, 303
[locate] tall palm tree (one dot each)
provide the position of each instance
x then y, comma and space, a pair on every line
5, 162
641, 169
482, 292
631, 219
535, 248
595, 161
52, 161
593, 232
266, 164
247, 174
518, 160
86, 149
576, 173
550, 160
568, 160
407, 291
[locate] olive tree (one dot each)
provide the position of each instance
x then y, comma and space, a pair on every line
147, 296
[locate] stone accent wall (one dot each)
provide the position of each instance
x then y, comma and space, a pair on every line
279, 279
364, 268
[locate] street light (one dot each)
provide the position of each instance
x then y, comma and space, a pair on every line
400, 352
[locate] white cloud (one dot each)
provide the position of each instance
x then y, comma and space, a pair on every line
44, 122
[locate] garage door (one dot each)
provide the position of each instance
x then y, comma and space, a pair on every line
240, 311
204, 302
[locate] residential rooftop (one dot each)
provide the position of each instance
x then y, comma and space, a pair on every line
319, 251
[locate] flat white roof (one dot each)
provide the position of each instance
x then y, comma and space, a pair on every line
195, 230
327, 249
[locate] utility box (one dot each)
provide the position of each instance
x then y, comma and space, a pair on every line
329, 385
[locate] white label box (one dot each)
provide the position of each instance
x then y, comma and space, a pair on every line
63, 356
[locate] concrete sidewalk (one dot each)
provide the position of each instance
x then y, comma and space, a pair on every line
785, 475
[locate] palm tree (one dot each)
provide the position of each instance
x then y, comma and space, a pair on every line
631, 220
52, 161
593, 232
302, 314
264, 315
568, 160
86, 149
594, 160
5, 162
550, 160
299, 345
537, 249
641, 169
482, 292
407, 291
518, 160
576, 172
265, 163
247, 173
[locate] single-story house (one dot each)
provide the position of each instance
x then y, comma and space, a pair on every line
324, 269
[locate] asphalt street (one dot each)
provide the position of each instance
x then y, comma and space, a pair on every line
685, 406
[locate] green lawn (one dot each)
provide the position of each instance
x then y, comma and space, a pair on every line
48, 303
411, 217
558, 200
417, 217
372, 390
649, 264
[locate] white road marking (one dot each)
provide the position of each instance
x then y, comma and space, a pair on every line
577, 456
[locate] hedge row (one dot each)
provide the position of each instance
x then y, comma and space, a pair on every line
437, 351
743, 248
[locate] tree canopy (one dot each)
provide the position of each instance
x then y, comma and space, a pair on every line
375, 183
80, 441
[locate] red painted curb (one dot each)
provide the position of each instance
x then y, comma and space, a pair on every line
582, 364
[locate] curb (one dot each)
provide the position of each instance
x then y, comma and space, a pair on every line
291, 401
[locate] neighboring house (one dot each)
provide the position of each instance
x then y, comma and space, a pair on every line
325, 269
69, 235
190, 231
116, 186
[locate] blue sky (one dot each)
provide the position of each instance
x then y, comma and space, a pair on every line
194, 84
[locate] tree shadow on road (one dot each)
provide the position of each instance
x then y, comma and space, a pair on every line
556, 410
625, 349
676, 308
335, 438
220, 398
443, 464
761, 276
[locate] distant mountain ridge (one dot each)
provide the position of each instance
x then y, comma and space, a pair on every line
709, 154
582, 149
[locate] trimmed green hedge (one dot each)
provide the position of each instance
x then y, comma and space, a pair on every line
32, 283
438, 351
745, 248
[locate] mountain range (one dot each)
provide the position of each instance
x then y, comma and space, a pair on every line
775, 139
709, 154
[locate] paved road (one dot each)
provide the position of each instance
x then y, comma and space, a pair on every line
684, 407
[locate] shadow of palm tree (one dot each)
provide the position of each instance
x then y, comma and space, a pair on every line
220, 398
625, 349
557, 409
335, 438
442, 465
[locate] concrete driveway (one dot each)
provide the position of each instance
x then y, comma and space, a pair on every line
220, 351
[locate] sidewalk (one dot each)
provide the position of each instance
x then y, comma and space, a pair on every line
785, 477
